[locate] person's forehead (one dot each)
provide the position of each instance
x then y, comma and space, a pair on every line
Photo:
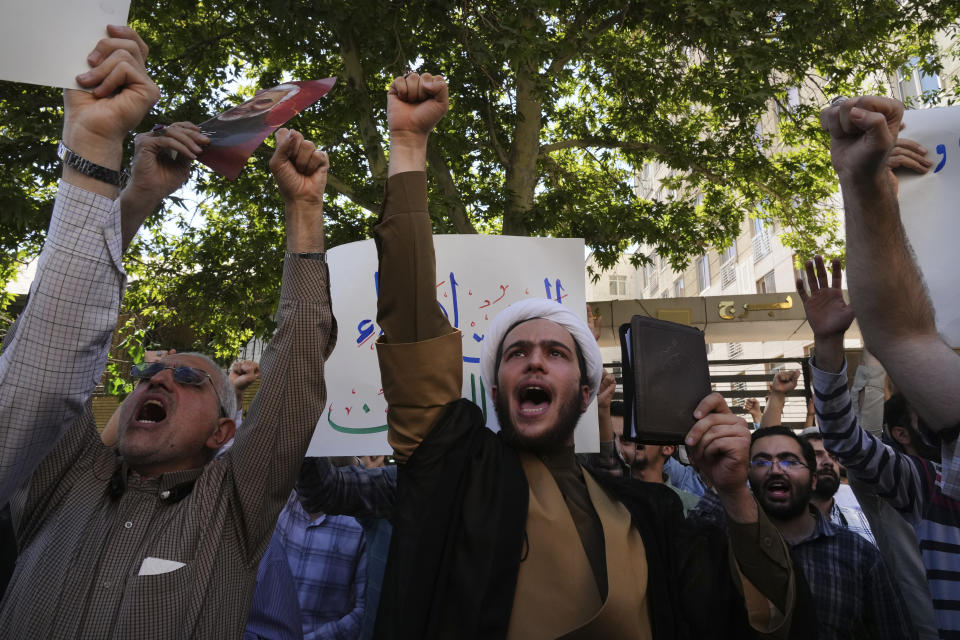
776, 445
817, 445
539, 330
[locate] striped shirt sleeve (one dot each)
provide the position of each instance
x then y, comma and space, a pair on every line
59, 344
892, 474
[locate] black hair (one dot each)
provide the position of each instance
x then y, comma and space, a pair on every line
809, 456
896, 413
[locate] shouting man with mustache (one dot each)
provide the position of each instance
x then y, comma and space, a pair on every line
505, 535
851, 587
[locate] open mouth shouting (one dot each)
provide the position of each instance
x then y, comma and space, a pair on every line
533, 400
777, 489
151, 412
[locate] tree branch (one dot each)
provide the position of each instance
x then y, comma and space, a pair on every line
344, 189
577, 39
498, 148
599, 143
369, 134
438, 168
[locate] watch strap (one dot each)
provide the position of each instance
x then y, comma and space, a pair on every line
91, 169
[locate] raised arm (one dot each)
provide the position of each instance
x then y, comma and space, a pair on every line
420, 354
719, 445
274, 436
903, 336
57, 349
892, 474
351, 491
783, 383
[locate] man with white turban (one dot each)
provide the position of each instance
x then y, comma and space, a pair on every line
505, 535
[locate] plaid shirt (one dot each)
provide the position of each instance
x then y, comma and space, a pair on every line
327, 557
106, 553
57, 349
851, 587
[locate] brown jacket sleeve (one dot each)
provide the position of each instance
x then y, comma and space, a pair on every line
420, 354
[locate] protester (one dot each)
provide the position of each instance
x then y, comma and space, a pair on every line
752, 406
646, 462
152, 539
827, 471
327, 556
485, 524
854, 594
367, 494
784, 381
275, 611
910, 484
894, 535
904, 335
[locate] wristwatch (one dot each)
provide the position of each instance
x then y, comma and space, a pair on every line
309, 255
91, 169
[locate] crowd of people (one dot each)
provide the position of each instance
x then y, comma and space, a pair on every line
188, 517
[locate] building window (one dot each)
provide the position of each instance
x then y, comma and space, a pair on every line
678, 288
728, 267
734, 350
929, 82
766, 284
703, 273
618, 285
761, 240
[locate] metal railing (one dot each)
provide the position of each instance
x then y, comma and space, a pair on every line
737, 380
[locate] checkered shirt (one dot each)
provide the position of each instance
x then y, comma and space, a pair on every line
327, 557
106, 553
56, 351
852, 589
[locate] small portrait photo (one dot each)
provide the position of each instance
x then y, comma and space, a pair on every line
237, 132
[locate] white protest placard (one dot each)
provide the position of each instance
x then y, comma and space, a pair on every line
477, 276
47, 41
930, 209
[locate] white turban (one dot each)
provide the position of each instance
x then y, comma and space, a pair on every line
548, 310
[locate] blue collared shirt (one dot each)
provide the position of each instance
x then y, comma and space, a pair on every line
327, 557
850, 584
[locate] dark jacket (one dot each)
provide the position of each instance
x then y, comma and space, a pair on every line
458, 541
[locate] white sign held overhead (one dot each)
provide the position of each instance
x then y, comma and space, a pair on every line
931, 213
477, 276
47, 42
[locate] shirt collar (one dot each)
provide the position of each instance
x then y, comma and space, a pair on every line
170, 487
822, 526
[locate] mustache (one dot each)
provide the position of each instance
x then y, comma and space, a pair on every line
828, 471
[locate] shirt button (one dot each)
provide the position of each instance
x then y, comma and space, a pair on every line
767, 542
127, 524
105, 584
164, 494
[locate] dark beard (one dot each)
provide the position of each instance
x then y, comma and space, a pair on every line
797, 505
827, 485
553, 439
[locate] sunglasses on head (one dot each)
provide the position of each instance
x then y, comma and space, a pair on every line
181, 375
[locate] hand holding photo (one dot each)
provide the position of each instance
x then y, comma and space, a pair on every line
237, 132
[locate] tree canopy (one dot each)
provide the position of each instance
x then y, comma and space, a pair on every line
554, 108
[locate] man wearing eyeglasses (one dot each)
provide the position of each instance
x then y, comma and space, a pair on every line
851, 587
151, 539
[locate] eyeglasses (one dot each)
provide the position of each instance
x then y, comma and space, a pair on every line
787, 463
181, 375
